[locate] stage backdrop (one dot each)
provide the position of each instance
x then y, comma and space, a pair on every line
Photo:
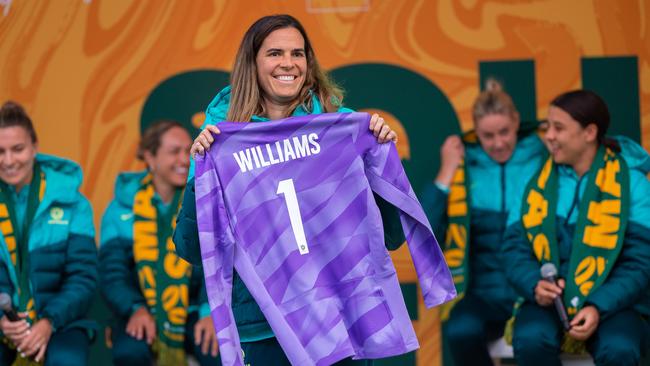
93, 73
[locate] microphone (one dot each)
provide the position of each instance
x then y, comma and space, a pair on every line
549, 273
7, 307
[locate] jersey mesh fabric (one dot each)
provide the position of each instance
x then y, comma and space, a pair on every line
340, 297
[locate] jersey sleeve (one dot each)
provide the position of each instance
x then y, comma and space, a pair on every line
387, 178
217, 252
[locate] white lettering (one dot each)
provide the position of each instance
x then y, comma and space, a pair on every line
244, 161
278, 148
259, 153
285, 150
271, 157
288, 151
313, 141
301, 146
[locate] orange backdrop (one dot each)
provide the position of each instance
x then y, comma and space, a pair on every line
84, 68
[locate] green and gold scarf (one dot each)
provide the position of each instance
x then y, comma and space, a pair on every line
162, 275
598, 239
18, 240
456, 246
457, 237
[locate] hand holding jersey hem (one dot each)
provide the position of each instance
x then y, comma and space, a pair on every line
203, 141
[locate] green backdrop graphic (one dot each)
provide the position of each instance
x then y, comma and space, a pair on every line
422, 108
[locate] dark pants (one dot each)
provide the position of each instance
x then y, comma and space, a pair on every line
130, 351
64, 348
538, 335
268, 352
472, 323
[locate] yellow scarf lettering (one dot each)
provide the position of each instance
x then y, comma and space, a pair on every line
457, 195
606, 214
537, 211
148, 279
603, 233
542, 247
588, 270
145, 241
606, 218
175, 267
145, 232
456, 242
8, 231
175, 298
456, 236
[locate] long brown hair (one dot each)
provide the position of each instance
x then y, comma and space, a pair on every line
246, 98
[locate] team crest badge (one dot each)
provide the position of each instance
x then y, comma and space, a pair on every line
56, 213
56, 216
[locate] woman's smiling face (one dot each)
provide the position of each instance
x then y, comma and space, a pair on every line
282, 66
17, 154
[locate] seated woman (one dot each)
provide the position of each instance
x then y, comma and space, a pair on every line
158, 298
48, 257
480, 174
587, 211
276, 75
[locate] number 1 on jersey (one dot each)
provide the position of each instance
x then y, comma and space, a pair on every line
286, 188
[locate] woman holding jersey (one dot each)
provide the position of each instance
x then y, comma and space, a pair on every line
276, 75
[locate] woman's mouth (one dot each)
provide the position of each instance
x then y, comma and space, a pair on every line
285, 78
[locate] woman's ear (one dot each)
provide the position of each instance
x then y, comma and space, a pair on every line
149, 160
591, 132
515, 117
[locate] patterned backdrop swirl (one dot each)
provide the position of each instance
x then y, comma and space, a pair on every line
91, 73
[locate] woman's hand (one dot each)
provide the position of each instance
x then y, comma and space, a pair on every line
35, 343
204, 334
546, 292
585, 323
452, 153
381, 130
142, 325
203, 141
17, 330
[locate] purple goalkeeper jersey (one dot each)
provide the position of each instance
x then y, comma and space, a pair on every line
289, 205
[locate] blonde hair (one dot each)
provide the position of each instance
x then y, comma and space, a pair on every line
246, 98
493, 100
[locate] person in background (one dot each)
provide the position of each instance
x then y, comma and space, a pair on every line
276, 75
480, 175
159, 299
587, 211
48, 256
